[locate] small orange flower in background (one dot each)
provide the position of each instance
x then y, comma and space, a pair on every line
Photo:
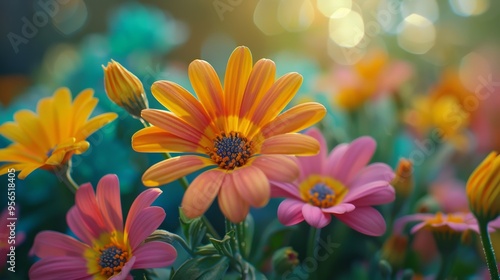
49, 138
373, 76
124, 88
235, 129
483, 188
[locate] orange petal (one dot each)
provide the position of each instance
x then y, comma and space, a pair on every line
17, 153
180, 102
295, 119
252, 185
290, 144
46, 112
176, 126
238, 71
230, 202
202, 192
260, 81
156, 140
276, 98
207, 86
277, 167
172, 169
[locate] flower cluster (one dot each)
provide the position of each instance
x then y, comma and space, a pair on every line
239, 139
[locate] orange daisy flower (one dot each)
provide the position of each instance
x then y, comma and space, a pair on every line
236, 129
48, 139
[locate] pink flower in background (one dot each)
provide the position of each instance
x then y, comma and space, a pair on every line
455, 222
340, 184
106, 248
449, 193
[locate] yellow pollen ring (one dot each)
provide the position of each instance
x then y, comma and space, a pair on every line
230, 150
322, 191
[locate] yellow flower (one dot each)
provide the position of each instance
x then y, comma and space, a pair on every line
444, 114
483, 188
48, 139
124, 89
237, 130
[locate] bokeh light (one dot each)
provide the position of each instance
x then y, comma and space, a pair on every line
334, 8
347, 30
469, 7
417, 34
295, 15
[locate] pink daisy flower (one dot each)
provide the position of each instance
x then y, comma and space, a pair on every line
439, 222
340, 184
107, 248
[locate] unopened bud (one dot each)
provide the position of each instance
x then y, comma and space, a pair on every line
403, 182
124, 89
284, 259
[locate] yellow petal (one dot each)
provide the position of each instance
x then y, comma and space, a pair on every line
63, 117
290, 144
295, 119
83, 105
94, 124
238, 71
32, 128
27, 169
172, 169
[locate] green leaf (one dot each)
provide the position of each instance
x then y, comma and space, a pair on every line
206, 250
208, 267
272, 238
193, 229
224, 246
245, 235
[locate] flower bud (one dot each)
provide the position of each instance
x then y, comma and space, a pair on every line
124, 89
284, 259
394, 250
483, 189
403, 182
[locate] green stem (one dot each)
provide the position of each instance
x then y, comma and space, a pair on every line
64, 174
183, 243
446, 262
236, 246
488, 249
311, 246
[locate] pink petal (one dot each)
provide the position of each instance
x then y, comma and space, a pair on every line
63, 267
202, 192
290, 212
90, 214
314, 216
356, 157
108, 200
52, 244
154, 254
373, 172
374, 193
78, 227
341, 208
125, 273
333, 162
142, 201
288, 190
313, 164
366, 220
277, 167
252, 185
146, 221
232, 205
400, 223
